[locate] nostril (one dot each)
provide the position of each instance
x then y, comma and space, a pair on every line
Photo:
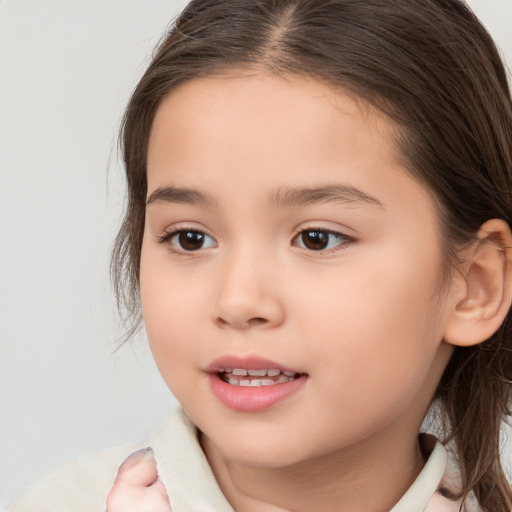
252, 322
221, 322
257, 321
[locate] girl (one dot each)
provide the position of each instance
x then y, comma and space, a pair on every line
318, 232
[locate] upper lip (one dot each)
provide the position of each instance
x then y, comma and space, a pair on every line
251, 362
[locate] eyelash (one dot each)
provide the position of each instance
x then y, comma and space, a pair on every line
345, 240
167, 237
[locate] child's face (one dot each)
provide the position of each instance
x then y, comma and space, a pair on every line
302, 242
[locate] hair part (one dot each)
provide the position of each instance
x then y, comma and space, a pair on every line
432, 68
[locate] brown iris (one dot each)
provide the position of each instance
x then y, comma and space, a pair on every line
315, 240
191, 240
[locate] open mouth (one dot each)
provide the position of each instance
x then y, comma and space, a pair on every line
256, 377
253, 383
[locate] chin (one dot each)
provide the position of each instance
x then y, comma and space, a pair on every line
258, 451
262, 457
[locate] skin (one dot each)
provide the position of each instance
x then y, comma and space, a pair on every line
137, 487
363, 320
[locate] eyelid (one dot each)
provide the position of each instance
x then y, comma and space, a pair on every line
171, 231
348, 239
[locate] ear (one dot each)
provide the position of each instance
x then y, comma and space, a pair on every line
482, 294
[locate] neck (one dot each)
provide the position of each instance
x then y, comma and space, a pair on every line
370, 476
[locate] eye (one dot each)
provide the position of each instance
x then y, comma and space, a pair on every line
320, 239
187, 240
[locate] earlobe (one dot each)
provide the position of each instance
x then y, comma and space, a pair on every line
482, 301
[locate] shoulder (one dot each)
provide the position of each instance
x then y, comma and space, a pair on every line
84, 483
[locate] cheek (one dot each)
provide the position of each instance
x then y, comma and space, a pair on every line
170, 310
375, 329
171, 332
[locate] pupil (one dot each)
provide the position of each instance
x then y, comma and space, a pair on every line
315, 240
191, 240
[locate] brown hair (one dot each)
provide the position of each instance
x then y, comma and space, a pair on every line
435, 71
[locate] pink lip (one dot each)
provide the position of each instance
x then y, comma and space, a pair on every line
251, 399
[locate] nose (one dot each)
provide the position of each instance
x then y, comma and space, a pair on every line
248, 295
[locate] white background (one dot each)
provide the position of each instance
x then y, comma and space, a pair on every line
66, 71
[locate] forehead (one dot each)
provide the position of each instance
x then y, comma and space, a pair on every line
261, 108
239, 133
257, 98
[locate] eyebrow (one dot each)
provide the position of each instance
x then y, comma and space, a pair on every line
283, 197
337, 193
172, 194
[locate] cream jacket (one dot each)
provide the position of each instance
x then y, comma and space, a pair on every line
83, 484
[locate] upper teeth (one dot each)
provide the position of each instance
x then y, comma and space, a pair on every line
241, 372
274, 376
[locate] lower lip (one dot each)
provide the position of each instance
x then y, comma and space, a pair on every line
253, 398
